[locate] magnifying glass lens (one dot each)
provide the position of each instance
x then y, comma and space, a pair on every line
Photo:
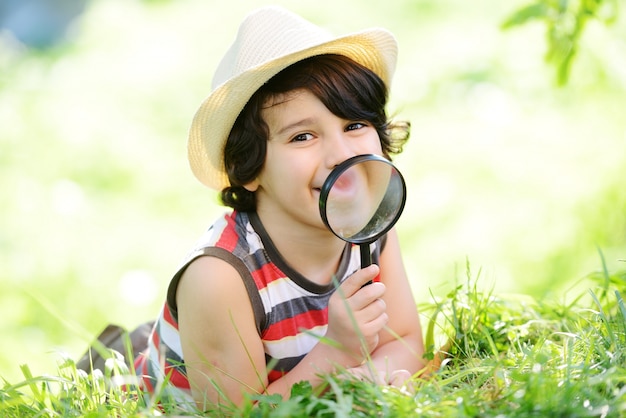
362, 199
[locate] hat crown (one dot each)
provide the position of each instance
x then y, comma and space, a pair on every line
264, 35
269, 40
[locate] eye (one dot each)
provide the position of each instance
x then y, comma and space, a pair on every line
302, 137
354, 126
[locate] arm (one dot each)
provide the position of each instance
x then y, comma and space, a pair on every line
223, 352
394, 354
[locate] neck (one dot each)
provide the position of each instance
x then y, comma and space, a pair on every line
313, 251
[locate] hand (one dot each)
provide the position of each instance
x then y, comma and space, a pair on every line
397, 378
352, 304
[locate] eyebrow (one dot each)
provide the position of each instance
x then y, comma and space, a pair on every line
294, 125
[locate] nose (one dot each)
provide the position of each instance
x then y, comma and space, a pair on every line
337, 149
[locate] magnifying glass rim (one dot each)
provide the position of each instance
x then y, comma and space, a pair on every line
336, 173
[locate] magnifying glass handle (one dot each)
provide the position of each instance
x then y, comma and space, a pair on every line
366, 257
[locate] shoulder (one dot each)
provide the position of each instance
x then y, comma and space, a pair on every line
210, 297
390, 244
218, 266
209, 278
219, 279
392, 268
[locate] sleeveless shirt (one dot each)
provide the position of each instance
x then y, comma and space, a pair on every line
291, 312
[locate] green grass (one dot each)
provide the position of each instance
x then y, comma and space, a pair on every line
98, 205
509, 355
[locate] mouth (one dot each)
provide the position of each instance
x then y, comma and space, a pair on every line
345, 186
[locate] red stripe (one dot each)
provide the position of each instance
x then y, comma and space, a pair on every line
228, 237
274, 375
147, 384
140, 364
167, 316
289, 327
177, 378
266, 274
142, 371
156, 340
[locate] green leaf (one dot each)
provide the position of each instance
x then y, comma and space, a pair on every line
526, 14
302, 388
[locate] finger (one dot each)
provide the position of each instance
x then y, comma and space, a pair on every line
360, 277
399, 377
373, 310
375, 325
358, 372
368, 295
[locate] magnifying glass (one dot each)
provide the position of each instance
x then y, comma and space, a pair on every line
361, 200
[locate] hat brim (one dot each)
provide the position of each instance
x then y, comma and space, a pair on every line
375, 49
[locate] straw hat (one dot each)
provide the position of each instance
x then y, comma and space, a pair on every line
269, 40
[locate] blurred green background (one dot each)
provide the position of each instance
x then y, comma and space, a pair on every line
97, 204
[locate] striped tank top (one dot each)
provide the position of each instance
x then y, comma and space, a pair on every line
291, 312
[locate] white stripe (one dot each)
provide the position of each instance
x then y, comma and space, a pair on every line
253, 239
170, 337
295, 346
279, 291
211, 235
153, 355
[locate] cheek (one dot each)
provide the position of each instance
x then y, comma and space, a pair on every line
289, 168
282, 171
294, 171
373, 145
377, 140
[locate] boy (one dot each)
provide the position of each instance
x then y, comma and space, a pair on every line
269, 296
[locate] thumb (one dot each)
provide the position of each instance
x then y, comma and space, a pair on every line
358, 279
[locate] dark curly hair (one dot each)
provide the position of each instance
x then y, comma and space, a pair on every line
349, 90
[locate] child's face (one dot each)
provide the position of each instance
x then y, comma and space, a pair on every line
306, 141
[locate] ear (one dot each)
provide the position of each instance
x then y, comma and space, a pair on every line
252, 186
